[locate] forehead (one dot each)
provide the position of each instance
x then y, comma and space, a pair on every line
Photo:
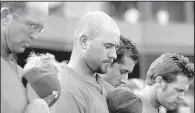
182, 82
37, 10
109, 37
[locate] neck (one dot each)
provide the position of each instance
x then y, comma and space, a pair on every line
149, 94
78, 64
107, 77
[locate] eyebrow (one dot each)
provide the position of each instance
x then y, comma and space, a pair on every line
112, 44
109, 43
33, 23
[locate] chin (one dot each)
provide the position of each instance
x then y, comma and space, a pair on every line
102, 72
21, 50
170, 108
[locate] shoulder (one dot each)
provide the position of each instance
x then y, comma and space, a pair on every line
73, 90
71, 84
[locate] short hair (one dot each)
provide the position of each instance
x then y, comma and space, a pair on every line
168, 66
46, 61
15, 7
126, 48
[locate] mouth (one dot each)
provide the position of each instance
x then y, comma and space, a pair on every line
119, 84
27, 44
109, 61
174, 104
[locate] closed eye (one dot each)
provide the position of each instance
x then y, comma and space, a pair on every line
33, 24
108, 45
123, 71
180, 90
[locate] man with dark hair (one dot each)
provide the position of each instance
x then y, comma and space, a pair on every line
96, 36
21, 22
167, 81
127, 57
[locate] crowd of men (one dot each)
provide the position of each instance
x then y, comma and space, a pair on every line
95, 80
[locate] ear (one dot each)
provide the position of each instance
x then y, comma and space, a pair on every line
161, 83
84, 42
5, 16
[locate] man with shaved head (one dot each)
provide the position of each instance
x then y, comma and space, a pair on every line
21, 22
96, 36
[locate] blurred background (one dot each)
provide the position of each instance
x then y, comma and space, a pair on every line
155, 27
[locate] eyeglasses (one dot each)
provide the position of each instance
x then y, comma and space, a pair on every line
33, 28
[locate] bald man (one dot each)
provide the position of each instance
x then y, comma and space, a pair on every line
21, 22
96, 36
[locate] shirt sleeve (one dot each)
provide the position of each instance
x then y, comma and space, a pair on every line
67, 104
2, 103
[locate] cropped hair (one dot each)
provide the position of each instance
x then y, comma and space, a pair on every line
168, 66
126, 48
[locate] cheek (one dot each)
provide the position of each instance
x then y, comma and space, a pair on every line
170, 95
18, 31
96, 53
114, 73
115, 69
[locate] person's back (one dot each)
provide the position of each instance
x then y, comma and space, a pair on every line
13, 93
84, 90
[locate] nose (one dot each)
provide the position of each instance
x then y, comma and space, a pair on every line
33, 35
125, 76
112, 53
181, 97
123, 81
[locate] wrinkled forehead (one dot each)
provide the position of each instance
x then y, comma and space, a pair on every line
182, 82
37, 10
109, 36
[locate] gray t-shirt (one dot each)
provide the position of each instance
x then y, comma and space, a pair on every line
13, 93
81, 94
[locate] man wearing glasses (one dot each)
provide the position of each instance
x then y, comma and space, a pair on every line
21, 22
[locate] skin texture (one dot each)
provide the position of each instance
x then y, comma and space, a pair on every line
96, 36
119, 72
101, 52
16, 34
173, 93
